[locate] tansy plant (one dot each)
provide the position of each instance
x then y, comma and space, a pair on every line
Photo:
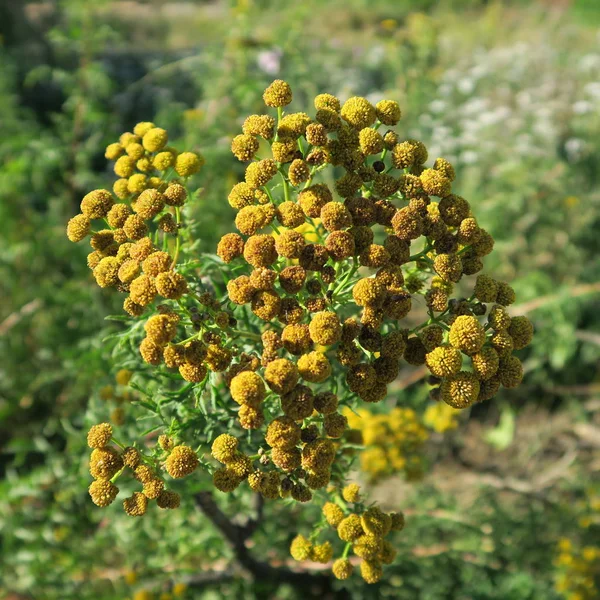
342, 230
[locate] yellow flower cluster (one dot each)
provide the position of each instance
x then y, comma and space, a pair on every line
322, 270
579, 571
362, 529
107, 464
441, 417
393, 442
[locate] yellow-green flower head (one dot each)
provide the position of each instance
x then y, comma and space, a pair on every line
299, 172
261, 125
325, 328
521, 331
156, 263
374, 256
193, 373
371, 571
293, 125
118, 214
144, 474
161, 329
393, 345
314, 198
78, 228
290, 214
134, 227
188, 163
278, 94
327, 101
106, 272
403, 155
322, 553
467, 334
444, 361
370, 141
105, 463
250, 418
510, 371
153, 488
241, 195
498, 318
240, 465
340, 245
230, 246
218, 358
431, 336
296, 338
368, 546
163, 161
453, 209
301, 493
290, 244
298, 404
361, 377
407, 223
342, 569
239, 290
284, 150
135, 151
506, 295
335, 216
131, 457
316, 134
358, 112
248, 388
261, 172
142, 249
330, 119
120, 189
175, 195
348, 185
113, 151
103, 492
250, 220
350, 528
301, 548
168, 500
99, 435
259, 251
124, 167
136, 505
385, 185
149, 204
435, 184
485, 363
460, 390
398, 521
174, 356
468, 232
151, 352
283, 433
144, 165
388, 112
488, 389
448, 267
132, 308
318, 456
375, 522
103, 241
171, 285
335, 425
129, 138
181, 462
244, 147
486, 288
137, 183
96, 204
445, 168
369, 292
333, 514
314, 367
155, 139
143, 127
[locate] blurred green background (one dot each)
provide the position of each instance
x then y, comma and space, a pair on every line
509, 92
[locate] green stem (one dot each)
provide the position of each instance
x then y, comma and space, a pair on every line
347, 550
178, 238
